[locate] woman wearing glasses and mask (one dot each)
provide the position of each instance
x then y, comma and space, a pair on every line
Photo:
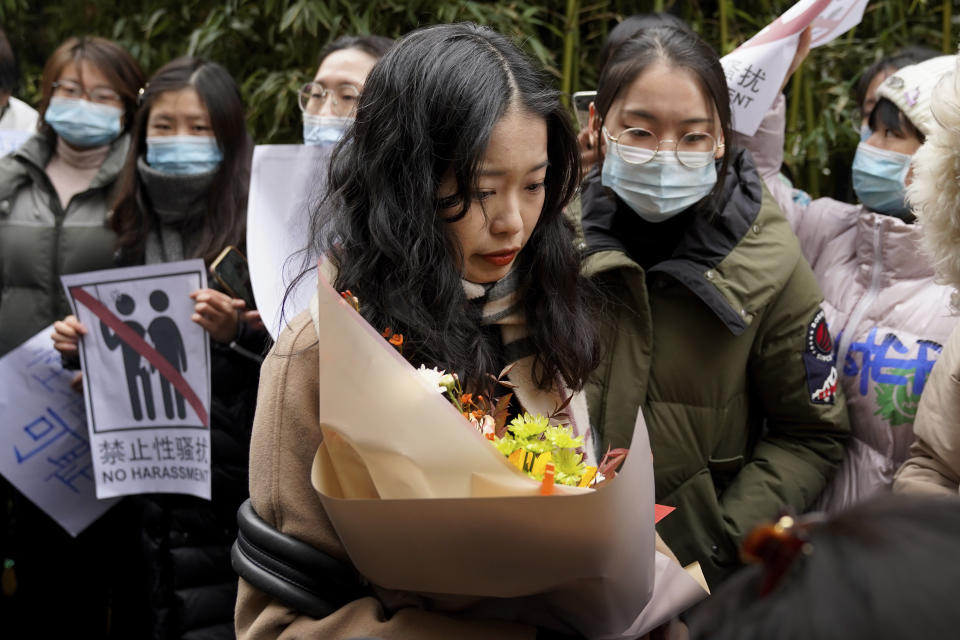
55, 189
54, 198
328, 102
714, 328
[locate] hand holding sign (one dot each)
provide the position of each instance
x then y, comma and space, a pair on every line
147, 370
757, 70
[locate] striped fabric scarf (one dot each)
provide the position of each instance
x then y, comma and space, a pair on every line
500, 304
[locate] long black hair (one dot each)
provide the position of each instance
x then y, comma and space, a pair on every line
224, 220
676, 47
426, 112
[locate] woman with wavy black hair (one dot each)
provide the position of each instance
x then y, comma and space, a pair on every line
445, 202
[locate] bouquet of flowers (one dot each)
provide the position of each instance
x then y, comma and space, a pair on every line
418, 482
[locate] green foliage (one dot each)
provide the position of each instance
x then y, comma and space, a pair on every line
271, 47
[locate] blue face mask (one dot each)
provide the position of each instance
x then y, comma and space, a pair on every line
879, 179
324, 130
82, 123
865, 132
660, 188
183, 155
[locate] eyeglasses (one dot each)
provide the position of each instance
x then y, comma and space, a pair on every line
343, 98
71, 89
639, 146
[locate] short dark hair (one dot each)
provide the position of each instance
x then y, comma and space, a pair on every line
113, 61
885, 568
374, 46
420, 119
675, 46
894, 119
903, 58
631, 27
9, 76
224, 220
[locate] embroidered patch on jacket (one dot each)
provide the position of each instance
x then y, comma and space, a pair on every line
818, 361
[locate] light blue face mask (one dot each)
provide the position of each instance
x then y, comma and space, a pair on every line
183, 155
82, 123
865, 132
324, 130
879, 179
660, 188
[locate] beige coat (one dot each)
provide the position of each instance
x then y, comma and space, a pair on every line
286, 434
934, 463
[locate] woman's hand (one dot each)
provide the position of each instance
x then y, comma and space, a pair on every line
251, 318
803, 49
66, 334
218, 313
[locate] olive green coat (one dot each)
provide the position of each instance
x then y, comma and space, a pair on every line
710, 344
40, 240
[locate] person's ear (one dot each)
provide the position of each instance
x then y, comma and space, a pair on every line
721, 147
594, 122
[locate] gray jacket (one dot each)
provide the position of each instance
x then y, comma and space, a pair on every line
40, 240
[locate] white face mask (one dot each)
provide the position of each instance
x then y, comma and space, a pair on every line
324, 130
661, 188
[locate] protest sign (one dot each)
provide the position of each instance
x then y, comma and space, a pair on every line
44, 448
11, 140
757, 68
146, 378
286, 183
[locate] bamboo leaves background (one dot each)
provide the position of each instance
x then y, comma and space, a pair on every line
270, 46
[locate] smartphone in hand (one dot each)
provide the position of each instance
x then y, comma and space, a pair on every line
232, 273
581, 104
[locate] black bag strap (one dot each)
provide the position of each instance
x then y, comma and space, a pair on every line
290, 570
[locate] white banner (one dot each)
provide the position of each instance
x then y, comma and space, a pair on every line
44, 448
286, 183
756, 69
146, 371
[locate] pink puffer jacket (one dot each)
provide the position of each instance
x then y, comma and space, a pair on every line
888, 316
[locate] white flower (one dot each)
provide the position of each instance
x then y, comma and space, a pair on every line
431, 378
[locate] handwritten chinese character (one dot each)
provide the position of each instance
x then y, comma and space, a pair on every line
878, 362
46, 430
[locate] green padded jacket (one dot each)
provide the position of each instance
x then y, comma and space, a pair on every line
723, 346
41, 241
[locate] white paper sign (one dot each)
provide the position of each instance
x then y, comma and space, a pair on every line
146, 371
11, 140
756, 69
286, 183
44, 448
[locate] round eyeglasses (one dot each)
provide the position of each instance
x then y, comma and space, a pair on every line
71, 89
639, 146
343, 98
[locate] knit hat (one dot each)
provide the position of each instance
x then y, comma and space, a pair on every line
910, 89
